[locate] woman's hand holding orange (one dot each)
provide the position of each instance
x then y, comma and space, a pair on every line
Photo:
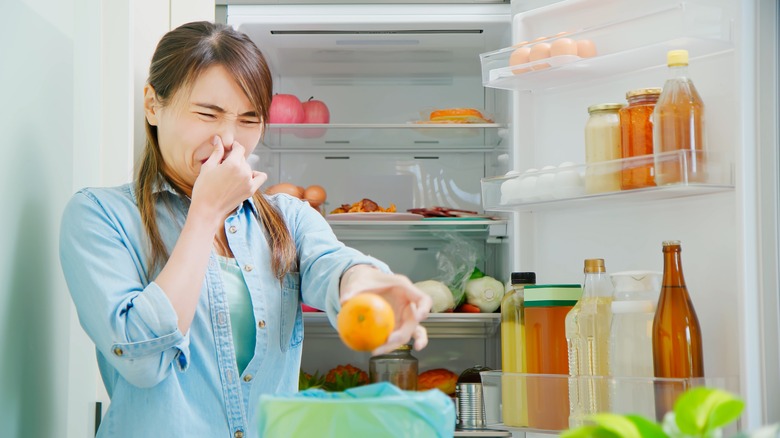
410, 305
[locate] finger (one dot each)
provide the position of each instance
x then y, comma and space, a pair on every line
258, 178
420, 337
237, 152
217, 153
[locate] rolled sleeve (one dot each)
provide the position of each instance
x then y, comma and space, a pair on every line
130, 320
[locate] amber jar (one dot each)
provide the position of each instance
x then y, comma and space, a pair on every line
636, 138
398, 367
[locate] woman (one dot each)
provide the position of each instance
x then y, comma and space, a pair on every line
189, 280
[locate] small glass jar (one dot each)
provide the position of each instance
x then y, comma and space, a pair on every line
602, 144
636, 135
398, 367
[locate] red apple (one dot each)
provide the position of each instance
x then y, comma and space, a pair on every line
315, 111
285, 108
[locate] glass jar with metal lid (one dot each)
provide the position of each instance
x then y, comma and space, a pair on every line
602, 148
636, 136
398, 367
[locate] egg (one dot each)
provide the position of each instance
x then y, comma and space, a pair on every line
539, 51
316, 195
586, 49
290, 189
563, 46
518, 57
544, 184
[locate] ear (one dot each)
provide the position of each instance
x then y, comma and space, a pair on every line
150, 105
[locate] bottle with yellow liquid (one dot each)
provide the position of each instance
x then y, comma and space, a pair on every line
587, 339
513, 393
678, 125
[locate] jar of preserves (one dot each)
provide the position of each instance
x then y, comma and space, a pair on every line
398, 367
636, 137
602, 147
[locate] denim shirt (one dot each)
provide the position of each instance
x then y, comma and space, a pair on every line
166, 383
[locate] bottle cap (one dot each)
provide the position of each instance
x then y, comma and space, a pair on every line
523, 277
594, 265
677, 58
604, 107
643, 92
671, 242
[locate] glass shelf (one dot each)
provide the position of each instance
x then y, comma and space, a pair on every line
411, 230
398, 136
622, 46
540, 402
439, 325
563, 187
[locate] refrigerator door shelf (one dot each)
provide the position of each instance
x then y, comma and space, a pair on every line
565, 186
629, 44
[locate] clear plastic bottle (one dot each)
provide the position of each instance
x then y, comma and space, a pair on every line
631, 341
678, 125
587, 340
512, 346
398, 367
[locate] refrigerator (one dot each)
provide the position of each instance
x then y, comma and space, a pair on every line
382, 67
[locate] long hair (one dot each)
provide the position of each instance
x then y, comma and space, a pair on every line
180, 57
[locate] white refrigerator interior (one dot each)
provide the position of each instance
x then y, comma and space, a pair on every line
381, 68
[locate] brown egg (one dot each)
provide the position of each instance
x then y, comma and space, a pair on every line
315, 195
290, 189
563, 46
539, 51
586, 49
520, 56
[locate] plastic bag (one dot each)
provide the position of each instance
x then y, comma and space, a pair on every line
377, 410
456, 261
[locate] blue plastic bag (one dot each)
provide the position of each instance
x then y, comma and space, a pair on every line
378, 410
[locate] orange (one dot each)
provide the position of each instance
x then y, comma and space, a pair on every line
365, 322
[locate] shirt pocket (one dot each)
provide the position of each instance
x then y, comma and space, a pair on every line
292, 316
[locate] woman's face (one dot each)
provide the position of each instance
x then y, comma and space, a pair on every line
215, 106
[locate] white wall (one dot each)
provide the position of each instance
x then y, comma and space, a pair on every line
71, 71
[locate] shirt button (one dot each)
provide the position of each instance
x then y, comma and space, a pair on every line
118, 351
248, 268
239, 434
261, 324
248, 378
233, 229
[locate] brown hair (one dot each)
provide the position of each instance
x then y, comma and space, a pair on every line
180, 57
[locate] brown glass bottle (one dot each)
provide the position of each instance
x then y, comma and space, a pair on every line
677, 346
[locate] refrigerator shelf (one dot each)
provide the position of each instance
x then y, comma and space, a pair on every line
545, 397
413, 230
439, 325
394, 136
565, 186
623, 45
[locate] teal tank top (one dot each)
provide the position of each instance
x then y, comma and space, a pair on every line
242, 319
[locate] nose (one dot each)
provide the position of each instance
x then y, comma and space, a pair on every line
227, 134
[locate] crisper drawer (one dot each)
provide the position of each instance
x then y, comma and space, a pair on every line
405, 179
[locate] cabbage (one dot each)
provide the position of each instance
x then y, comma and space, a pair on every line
485, 293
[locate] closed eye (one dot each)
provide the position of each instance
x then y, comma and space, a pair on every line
207, 116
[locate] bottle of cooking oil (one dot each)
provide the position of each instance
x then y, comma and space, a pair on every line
587, 339
513, 393
678, 125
